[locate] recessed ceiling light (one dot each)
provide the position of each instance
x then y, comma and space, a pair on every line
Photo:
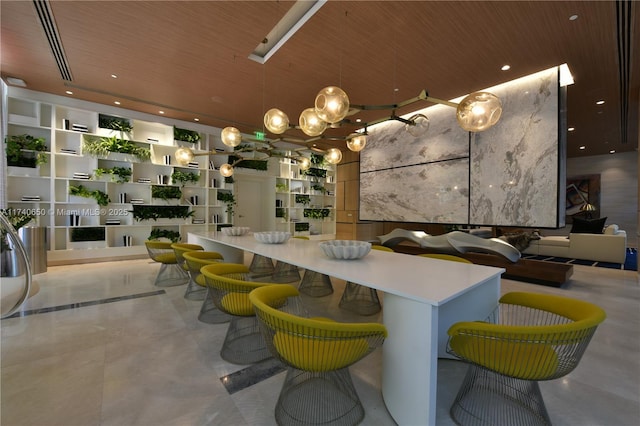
117, 102
15, 81
613, 151
161, 112
583, 147
600, 102
571, 129
196, 119
573, 17
114, 76
69, 92
506, 67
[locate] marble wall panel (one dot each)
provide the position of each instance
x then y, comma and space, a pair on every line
428, 193
389, 145
513, 168
514, 165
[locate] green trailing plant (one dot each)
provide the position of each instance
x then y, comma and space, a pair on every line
165, 192
87, 234
183, 178
281, 212
248, 164
185, 135
316, 213
80, 191
318, 187
282, 187
118, 124
303, 199
17, 145
146, 212
118, 174
102, 146
229, 179
314, 172
229, 199
301, 227
316, 159
156, 234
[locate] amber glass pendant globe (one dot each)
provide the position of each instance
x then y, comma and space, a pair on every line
332, 104
310, 123
231, 136
333, 156
184, 156
479, 111
357, 143
276, 121
226, 170
303, 163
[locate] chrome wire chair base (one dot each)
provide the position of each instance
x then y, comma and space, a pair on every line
194, 291
360, 299
170, 275
315, 284
326, 398
487, 398
244, 343
209, 313
285, 273
261, 265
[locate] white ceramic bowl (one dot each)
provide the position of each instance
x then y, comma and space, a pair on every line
235, 231
345, 249
274, 237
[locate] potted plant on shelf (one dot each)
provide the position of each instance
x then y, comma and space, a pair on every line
157, 234
185, 135
80, 191
118, 174
166, 193
25, 151
183, 178
102, 146
229, 199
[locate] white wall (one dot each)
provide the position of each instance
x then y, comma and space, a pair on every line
618, 189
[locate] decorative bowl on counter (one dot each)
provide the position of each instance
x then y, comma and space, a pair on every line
272, 237
235, 231
345, 249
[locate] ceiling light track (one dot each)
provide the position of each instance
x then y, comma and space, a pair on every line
624, 13
51, 32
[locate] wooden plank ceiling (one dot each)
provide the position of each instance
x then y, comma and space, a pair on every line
190, 58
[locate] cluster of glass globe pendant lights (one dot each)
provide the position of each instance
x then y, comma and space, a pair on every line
331, 106
476, 112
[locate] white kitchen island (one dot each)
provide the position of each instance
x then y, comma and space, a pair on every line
423, 298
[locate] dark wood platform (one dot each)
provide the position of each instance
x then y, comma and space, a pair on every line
532, 271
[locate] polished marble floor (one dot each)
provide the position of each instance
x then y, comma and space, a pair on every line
100, 345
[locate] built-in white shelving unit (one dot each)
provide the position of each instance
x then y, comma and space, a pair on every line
77, 224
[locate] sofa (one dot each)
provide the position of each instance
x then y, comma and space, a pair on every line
609, 246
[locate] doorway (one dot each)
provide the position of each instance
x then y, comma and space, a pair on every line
255, 196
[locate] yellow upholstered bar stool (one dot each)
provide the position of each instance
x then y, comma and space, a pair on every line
360, 299
530, 337
195, 260
193, 291
318, 389
170, 273
243, 343
443, 256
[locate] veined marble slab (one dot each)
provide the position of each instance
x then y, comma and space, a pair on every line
435, 192
389, 145
514, 165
